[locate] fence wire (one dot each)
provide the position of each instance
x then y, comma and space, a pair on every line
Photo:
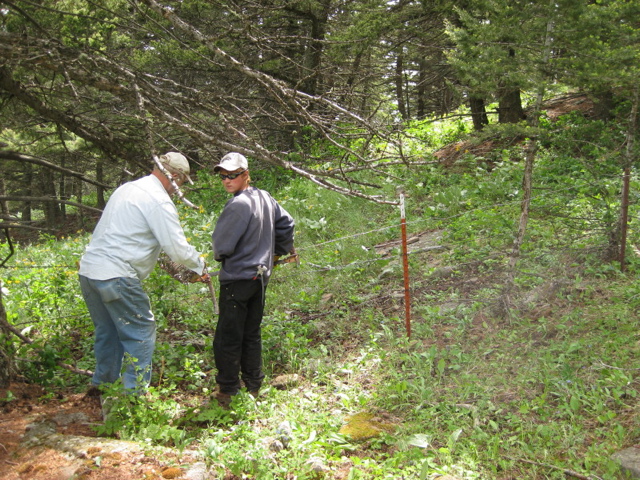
413, 223
287, 272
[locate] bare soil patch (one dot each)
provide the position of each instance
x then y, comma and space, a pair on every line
73, 415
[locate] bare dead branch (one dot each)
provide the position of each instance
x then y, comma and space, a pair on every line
19, 198
9, 155
24, 339
13, 225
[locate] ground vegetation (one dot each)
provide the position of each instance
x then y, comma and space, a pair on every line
543, 386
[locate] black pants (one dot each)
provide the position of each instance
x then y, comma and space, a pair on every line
237, 344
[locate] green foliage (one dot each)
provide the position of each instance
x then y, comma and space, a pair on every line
472, 393
608, 44
155, 418
553, 393
490, 39
435, 133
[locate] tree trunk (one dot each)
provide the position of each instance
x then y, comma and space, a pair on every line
621, 245
52, 212
478, 113
76, 187
6, 360
354, 71
4, 205
313, 54
421, 109
531, 151
62, 193
400, 87
509, 102
28, 190
603, 105
99, 189
510, 106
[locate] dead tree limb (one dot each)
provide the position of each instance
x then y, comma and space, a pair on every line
565, 471
19, 198
18, 157
5, 325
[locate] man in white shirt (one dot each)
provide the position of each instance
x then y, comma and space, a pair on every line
139, 221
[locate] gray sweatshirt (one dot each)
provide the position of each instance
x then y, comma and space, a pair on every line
251, 229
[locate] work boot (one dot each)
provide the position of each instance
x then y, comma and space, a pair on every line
92, 395
254, 393
93, 392
224, 399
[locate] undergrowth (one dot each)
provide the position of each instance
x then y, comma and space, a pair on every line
533, 384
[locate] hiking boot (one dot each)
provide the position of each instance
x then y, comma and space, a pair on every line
223, 399
254, 393
93, 391
92, 395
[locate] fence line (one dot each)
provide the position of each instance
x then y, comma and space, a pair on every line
347, 237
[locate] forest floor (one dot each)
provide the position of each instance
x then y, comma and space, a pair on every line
71, 416
22, 406
27, 454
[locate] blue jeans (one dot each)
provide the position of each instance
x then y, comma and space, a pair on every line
237, 343
125, 330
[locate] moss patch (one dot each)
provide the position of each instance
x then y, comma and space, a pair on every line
363, 426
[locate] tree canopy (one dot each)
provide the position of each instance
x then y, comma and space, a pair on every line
90, 91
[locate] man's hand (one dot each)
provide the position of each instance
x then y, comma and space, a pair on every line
292, 256
204, 278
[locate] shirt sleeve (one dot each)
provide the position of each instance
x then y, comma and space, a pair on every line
165, 225
284, 228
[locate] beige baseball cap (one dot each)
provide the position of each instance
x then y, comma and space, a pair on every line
178, 163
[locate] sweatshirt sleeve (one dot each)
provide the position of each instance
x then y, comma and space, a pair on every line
284, 228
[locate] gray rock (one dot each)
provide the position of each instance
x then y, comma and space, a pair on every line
317, 464
66, 418
198, 471
629, 460
79, 448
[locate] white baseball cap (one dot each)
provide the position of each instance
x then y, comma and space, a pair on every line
231, 162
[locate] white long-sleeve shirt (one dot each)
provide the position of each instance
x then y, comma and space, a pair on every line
138, 222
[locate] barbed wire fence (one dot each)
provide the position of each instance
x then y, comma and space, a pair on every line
181, 292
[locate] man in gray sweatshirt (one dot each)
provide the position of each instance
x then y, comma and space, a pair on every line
251, 231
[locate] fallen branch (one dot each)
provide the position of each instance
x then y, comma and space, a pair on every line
18, 157
4, 324
565, 471
22, 198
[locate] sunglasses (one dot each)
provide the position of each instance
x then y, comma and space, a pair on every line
231, 176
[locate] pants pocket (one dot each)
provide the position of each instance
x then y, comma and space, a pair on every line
109, 290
